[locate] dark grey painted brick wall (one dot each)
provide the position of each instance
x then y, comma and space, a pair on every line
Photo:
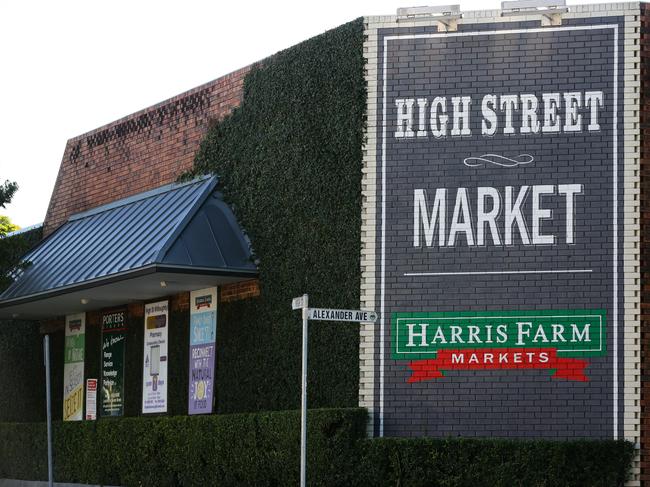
501, 402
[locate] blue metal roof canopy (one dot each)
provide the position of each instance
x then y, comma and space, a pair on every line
172, 239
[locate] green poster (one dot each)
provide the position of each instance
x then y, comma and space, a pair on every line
73, 367
113, 349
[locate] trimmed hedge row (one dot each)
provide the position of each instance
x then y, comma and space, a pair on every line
263, 449
241, 449
495, 462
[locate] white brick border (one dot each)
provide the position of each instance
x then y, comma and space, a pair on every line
368, 231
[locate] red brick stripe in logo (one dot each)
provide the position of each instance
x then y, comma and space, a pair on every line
499, 359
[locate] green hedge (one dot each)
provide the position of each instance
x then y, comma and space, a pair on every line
263, 449
289, 162
244, 449
455, 462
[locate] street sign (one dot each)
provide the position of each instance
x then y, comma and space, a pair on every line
323, 314
327, 314
298, 303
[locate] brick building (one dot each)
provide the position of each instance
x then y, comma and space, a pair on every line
502, 236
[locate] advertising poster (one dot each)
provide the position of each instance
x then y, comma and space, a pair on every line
154, 370
73, 367
203, 332
113, 350
91, 399
500, 202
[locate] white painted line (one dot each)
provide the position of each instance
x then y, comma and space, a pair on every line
615, 204
476, 273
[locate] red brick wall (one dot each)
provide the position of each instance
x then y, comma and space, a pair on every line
645, 245
239, 290
139, 152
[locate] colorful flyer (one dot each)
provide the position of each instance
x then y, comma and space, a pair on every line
154, 370
91, 399
203, 332
114, 328
73, 367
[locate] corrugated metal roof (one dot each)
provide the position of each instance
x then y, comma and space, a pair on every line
179, 226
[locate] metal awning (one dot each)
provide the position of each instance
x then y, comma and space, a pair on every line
173, 239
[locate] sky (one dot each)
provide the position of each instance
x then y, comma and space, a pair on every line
67, 67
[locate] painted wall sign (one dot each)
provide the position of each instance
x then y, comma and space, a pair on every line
154, 369
499, 210
499, 340
114, 328
203, 333
91, 399
73, 367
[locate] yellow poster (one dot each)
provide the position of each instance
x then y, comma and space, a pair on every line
73, 367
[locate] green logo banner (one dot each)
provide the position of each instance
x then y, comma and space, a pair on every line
572, 333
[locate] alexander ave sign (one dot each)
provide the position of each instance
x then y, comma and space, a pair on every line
325, 314
557, 340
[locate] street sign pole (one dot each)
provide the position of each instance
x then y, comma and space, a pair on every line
324, 314
303, 414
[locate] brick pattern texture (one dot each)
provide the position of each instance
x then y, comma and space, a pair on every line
239, 290
140, 152
645, 244
463, 398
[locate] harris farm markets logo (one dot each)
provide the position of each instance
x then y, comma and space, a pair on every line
558, 341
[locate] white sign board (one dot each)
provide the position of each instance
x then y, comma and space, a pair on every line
154, 370
298, 303
91, 399
73, 367
326, 314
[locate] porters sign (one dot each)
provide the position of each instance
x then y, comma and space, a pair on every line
556, 340
113, 352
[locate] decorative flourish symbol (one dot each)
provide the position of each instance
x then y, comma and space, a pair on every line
498, 160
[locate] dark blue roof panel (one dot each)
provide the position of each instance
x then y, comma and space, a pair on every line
183, 226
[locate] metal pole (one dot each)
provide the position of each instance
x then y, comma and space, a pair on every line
303, 423
46, 349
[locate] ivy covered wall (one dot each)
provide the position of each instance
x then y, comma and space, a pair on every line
22, 377
289, 163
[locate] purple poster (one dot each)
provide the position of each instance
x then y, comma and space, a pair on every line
203, 331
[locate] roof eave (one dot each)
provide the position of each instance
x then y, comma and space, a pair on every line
241, 273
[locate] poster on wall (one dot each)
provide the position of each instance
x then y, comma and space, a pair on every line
154, 370
203, 331
500, 198
91, 399
114, 329
73, 367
